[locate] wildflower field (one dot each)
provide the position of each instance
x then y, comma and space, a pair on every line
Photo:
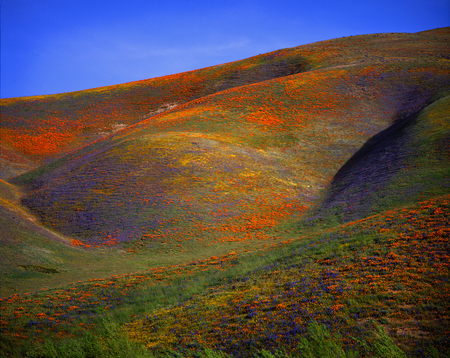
293, 204
389, 270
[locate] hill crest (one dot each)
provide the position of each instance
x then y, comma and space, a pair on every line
43, 128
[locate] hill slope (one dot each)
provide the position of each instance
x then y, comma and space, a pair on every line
41, 128
26, 246
406, 163
44, 127
230, 166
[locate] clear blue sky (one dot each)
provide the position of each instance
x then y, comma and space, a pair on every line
54, 46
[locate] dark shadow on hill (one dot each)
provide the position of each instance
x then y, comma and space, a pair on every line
383, 174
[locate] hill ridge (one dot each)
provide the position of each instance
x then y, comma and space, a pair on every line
131, 101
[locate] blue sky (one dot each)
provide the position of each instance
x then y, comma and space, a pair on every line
55, 46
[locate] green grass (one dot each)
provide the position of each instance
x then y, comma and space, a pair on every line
109, 341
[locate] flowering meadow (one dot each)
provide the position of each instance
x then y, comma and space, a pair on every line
292, 204
255, 152
389, 270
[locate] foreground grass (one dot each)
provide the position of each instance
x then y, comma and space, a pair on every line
316, 342
352, 285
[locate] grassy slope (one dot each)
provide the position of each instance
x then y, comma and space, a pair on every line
348, 275
406, 163
228, 167
389, 270
24, 242
387, 265
42, 128
33, 257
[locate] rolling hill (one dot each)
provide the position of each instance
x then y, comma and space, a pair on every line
406, 163
258, 163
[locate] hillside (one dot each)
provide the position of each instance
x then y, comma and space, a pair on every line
34, 257
296, 195
40, 128
36, 129
252, 154
404, 164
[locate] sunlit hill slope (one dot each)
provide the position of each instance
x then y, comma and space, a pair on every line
281, 151
241, 155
